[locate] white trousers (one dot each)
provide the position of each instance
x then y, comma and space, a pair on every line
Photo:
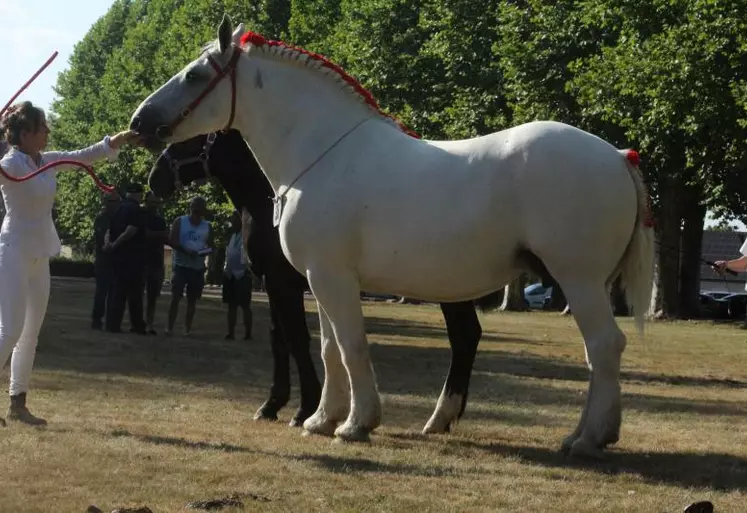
24, 295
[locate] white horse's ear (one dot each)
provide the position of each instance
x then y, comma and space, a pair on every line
224, 33
238, 33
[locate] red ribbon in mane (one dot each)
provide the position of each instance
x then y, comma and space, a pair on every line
89, 169
259, 40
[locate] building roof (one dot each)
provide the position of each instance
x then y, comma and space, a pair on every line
720, 245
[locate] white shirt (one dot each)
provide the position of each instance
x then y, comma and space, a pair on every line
28, 218
236, 261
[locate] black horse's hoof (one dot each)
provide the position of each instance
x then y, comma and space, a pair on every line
266, 414
699, 507
299, 418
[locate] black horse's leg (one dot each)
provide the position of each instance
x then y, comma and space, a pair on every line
293, 320
280, 389
463, 328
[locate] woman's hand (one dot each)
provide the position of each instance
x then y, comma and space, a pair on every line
126, 137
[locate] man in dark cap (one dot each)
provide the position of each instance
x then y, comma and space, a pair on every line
103, 268
126, 242
156, 236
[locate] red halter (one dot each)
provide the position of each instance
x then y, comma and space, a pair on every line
229, 68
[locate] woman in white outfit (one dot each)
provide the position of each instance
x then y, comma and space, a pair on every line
28, 239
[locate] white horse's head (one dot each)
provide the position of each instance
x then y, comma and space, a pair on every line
196, 100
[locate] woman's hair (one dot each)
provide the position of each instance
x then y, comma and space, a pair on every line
19, 117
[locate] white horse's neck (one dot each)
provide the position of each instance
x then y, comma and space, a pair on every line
291, 114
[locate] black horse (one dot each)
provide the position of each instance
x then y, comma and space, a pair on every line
226, 157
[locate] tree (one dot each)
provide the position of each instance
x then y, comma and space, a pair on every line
513, 295
675, 85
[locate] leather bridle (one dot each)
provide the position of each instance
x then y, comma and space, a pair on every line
221, 73
203, 157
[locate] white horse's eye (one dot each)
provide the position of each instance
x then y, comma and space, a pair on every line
191, 75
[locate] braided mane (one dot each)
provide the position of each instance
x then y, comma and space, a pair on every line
307, 57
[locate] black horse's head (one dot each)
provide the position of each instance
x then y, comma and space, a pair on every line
224, 156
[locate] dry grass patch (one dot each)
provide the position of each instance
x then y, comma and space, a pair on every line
162, 422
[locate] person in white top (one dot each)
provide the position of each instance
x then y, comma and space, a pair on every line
237, 280
28, 239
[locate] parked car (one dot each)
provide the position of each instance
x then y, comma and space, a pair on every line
714, 295
724, 305
537, 296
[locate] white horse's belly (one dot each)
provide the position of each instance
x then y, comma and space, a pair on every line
436, 268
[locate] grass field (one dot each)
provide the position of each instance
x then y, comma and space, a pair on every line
138, 421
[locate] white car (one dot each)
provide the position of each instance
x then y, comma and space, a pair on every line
537, 296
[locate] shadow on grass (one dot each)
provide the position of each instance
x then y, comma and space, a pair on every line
723, 472
345, 465
239, 366
183, 443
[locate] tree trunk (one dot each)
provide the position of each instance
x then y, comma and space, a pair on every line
692, 245
655, 305
558, 302
617, 297
668, 234
513, 296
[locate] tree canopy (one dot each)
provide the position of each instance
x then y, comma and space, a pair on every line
667, 77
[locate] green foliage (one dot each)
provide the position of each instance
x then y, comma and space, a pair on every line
668, 77
676, 87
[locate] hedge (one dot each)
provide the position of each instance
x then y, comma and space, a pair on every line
71, 268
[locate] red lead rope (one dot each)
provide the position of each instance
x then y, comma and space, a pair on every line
101, 185
89, 169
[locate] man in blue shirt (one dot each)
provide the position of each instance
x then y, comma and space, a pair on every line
191, 239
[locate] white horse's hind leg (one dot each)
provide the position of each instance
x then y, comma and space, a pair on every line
335, 400
601, 418
338, 294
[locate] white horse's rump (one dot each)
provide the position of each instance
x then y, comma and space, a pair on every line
366, 206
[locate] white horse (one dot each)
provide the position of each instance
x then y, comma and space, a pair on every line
363, 205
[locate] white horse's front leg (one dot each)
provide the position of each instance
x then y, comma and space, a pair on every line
335, 401
338, 293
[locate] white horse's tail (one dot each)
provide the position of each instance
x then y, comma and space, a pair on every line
637, 265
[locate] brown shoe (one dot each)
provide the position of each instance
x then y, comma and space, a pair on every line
17, 411
2, 422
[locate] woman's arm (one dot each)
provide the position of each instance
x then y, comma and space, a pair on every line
107, 148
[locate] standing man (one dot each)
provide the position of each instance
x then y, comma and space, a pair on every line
156, 235
237, 281
103, 266
191, 238
127, 245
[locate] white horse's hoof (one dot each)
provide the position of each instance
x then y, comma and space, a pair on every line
352, 433
583, 449
318, 425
